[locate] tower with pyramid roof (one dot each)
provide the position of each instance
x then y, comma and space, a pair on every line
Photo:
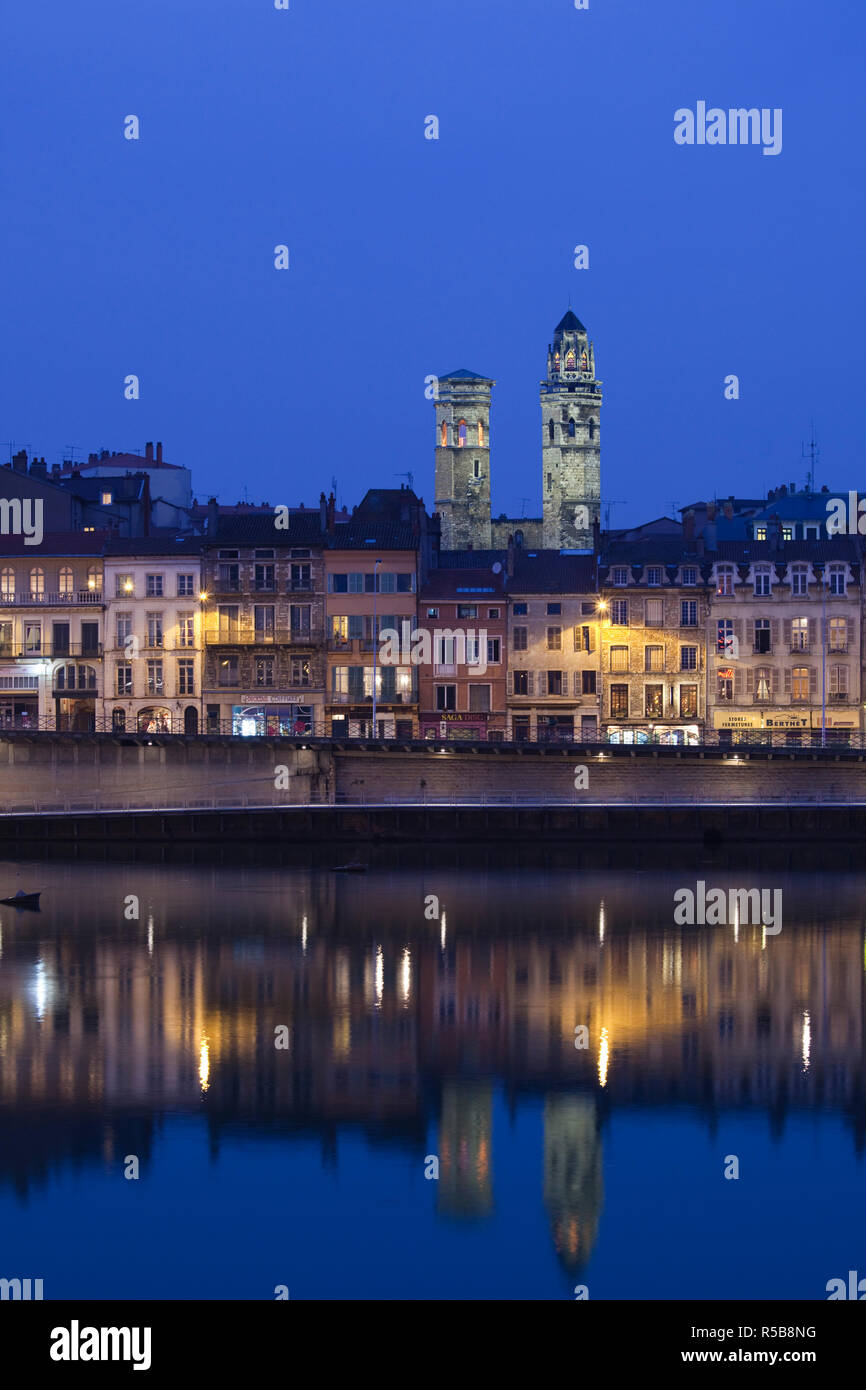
571, 438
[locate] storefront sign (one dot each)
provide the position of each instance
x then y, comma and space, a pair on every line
776, 719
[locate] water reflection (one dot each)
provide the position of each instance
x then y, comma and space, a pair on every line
407, 1031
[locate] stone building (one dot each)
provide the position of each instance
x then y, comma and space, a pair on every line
785, 638
462, 687
264, 623
553, 647
571, 401
51, 631
654, 599
153, 636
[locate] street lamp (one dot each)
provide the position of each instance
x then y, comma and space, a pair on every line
202, 599
375, 639
824, 657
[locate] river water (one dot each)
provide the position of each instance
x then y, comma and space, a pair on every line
427, 1126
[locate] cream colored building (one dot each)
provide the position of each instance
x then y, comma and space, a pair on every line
784, 641
153, 636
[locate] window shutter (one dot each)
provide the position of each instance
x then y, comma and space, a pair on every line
774, 683
576, 685
786, 681
774, 632
591, 631
813, 681
834, 680
813, 632
789, 628
739, 681
849, 633
530, 682
511, 682
738, 629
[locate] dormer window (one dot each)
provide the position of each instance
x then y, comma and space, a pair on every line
619, 575
799, 580
725, 581
654, 575
837, 579
762, 582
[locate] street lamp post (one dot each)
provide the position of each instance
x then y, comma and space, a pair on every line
375, 639
202, 600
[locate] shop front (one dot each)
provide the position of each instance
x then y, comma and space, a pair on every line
259, 720
455, 728
19, 701
786, 727
670, 734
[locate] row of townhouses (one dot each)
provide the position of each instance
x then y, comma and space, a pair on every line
307, 625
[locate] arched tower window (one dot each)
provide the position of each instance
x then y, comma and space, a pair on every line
443, 435
570, 360
556, 361
592, 429
583, 361
571, 429
476, 468
461, 434
518, 539
550, 430
481, 434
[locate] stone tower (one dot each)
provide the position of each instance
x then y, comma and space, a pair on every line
463, 460
571, 444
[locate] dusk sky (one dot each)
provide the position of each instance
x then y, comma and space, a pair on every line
411, 256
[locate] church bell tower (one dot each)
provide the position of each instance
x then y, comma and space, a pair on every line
571, 439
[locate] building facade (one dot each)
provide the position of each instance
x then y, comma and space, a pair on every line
654, 600
153, 636
51, 632
785, 638
263, 611
553, 648
463, 615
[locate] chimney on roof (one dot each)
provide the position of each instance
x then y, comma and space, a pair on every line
213, 516
159, 451
19, 461
38, 468
323, 511
92, 458
332, 506
148, 453
711, 511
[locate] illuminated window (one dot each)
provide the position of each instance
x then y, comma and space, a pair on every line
461, 434
763, 684
838, 634
725, 580
7, 582
799, 634
481, 434
556, 361
66, 580
760, 533
570, 360
105, 498
443, 435
37, 581
583, 361
800, 683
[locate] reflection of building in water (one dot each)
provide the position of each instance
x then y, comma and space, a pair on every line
465, 1137
572, 1176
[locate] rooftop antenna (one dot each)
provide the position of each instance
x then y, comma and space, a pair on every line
607, 503
524, 501
812, 454
410, 476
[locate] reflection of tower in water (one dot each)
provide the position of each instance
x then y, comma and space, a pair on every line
465, 1181
573, 1185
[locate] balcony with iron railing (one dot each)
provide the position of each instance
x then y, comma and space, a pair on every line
259, 637
394, 697
350, 644
27, 598
48, 651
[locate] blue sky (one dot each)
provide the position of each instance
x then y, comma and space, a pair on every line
411, 256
